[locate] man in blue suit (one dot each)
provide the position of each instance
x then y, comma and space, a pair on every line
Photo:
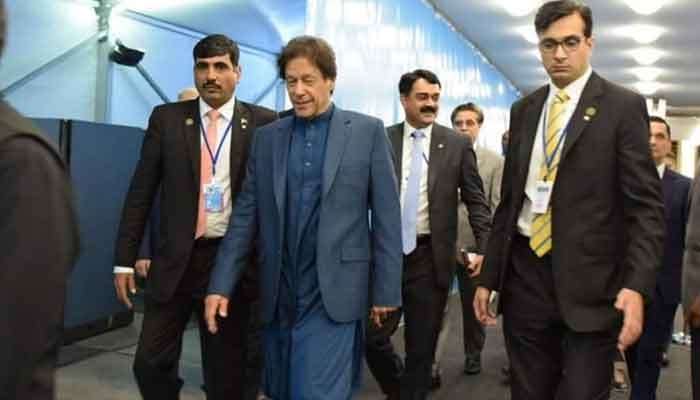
644, 358
312, 180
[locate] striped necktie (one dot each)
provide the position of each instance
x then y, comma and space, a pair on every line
541, 238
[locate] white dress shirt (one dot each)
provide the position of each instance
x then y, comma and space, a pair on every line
216, 222
574, 91
661, 168
423, 220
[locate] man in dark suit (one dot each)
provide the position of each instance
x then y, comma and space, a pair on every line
578, 236
39, 235
437, 169
195, 151
691, 283
644, 358
312, 180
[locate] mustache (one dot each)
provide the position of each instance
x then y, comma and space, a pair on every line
430, 109
211, 85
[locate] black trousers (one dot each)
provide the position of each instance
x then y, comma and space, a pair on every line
549, 360
385, 365
644, 357
473, 332
423, 307
224, 355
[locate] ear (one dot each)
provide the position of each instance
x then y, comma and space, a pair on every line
402, 98
239, 71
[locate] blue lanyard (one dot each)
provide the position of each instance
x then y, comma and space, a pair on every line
548, 160
214, 157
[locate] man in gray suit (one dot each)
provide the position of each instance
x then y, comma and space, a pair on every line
467, 119
691, 283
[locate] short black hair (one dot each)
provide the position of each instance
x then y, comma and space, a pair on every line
660, 120
553, 11
409, 78
468, 107
314, 49
216, 45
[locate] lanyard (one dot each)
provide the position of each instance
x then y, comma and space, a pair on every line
214, 156
548, 160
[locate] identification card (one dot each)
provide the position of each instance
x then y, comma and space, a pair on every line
213, 198
543, 192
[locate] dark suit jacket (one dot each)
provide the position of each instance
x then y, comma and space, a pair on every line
607, 206
39, 236
676, 188
452, 176
358, 260
170, 158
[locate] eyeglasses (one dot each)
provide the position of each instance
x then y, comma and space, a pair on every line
569, 44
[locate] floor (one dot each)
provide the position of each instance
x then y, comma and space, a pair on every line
100, 368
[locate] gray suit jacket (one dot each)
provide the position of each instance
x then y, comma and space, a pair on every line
691, 258
490, 166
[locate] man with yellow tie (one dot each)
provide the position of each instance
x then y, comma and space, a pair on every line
577, 238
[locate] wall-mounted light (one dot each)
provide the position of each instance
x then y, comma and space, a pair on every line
646, 55
646, 74
528, 33
520, 8
641, 33
647, 88
646, 7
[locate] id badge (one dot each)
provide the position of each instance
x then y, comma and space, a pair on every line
213, 198
543, 192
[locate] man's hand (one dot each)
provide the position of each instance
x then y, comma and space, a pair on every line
124, 284
475, 264
631, 304
215, 304
379, 314
692, 317
142, 266
481, 306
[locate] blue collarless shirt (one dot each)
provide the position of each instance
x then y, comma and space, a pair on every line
299, 291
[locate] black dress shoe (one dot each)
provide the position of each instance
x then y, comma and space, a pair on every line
472, 364
505, 373
665, 360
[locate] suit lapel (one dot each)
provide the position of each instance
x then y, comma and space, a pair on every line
240, 138
281, 154
531, 114
437, 156
191, 131
585, 111
396, 137
338, 134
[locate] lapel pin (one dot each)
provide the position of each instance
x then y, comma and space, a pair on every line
244, 123
189, 121
589, 113
440, 145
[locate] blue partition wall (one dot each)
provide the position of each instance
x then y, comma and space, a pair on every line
102, 160
378, 40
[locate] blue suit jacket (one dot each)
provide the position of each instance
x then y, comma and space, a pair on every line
359, 259
676, 189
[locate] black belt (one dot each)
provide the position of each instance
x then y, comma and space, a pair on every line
423, 240
207, 241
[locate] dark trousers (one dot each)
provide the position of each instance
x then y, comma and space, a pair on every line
549, 360
160, 344
644, 357
423, 306
695, 362
385, 365
473, 332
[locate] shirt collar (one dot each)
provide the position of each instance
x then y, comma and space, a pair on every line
661, 168
574, 89
408, 129
226, 110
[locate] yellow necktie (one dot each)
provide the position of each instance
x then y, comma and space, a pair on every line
541, 238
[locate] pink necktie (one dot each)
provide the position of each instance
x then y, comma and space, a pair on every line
205, 173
